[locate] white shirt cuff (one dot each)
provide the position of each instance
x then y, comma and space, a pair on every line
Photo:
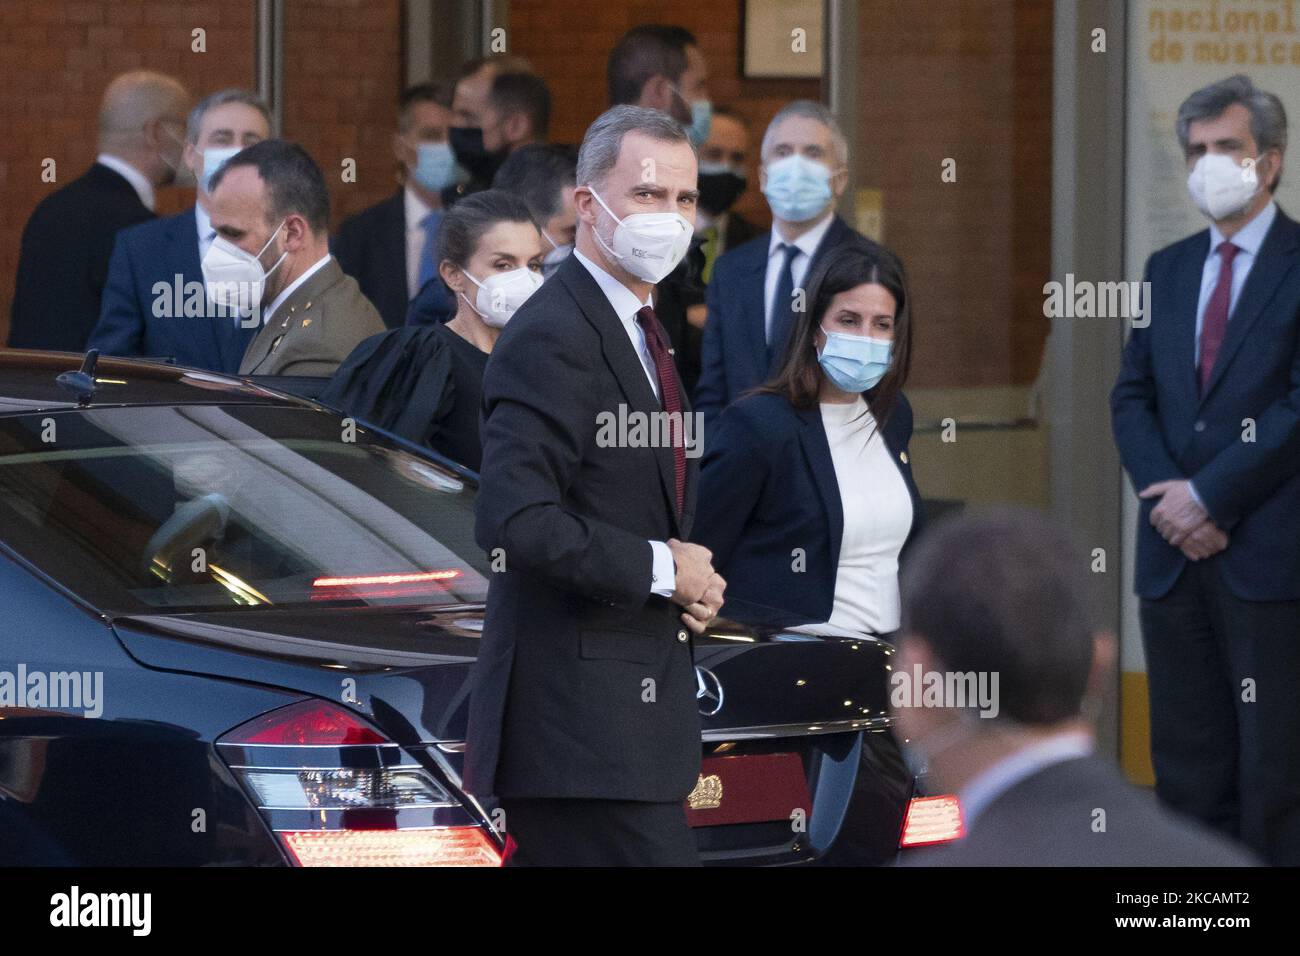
663, 574
1191, 488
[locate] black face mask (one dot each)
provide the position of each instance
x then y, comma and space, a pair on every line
719, 190
467, 145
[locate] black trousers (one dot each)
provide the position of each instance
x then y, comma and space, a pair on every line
556, 832
1224, 679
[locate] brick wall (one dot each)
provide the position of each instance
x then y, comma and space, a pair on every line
969, 80
569, 49
58, 58
343, 70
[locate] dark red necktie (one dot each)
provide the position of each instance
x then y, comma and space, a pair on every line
1215, 322
670, 397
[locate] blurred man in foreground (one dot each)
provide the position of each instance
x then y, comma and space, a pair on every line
998, 667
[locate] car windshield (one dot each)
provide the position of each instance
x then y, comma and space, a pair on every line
209, 507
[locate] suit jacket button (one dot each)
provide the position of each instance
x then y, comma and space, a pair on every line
683, 636
1199, 426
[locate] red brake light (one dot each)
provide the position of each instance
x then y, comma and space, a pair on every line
932, 820
306, 723
448, 846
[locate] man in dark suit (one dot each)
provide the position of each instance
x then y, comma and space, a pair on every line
755, 289
996, 614
154, 294
388, 248
271, 212
1206, 415
66, 244
583, 719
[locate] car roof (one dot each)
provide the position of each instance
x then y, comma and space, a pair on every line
28, 384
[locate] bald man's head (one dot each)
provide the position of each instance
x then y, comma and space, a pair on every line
142, 120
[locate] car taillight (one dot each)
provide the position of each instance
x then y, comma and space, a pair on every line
335, 791
371, 586
932, 820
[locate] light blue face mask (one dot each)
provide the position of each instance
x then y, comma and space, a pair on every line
436, 167
797, 189
854, 363
701, 118
213, 157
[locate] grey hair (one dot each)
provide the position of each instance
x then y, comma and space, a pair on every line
809, 109
222, 98
604, 140
1267, 115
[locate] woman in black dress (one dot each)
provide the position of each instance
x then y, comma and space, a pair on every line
490, 256
425, 383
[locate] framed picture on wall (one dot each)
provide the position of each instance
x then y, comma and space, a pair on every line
781, 39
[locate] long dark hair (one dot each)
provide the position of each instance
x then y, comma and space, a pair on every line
852, 263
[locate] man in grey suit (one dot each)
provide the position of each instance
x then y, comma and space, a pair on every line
270, 210
992, 690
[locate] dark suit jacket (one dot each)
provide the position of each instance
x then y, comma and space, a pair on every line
768, 485
1047, 819
157, 252
63, 263
371, 247
584, 684
1165, 429
315, 329
733, 354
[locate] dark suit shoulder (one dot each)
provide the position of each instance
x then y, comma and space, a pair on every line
373, 217
742, 258
115, 201
766, 413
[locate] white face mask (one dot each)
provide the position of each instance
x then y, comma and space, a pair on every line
1220, 187
502, 294
647, 244
235, 279
213, 157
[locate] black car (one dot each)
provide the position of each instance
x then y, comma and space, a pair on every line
238, 629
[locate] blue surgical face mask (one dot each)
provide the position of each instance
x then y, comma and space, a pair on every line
854, 363
213, 157
701, 118
436, 167
798, 189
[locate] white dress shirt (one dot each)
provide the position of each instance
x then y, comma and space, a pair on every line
138, 180
203, 222
663, 574
996, 780
807, 245
416, 210
626, 306
288, 290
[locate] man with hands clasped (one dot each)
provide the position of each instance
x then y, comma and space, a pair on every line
1206, 415
583, 721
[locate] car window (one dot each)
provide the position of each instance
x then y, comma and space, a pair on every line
209, 507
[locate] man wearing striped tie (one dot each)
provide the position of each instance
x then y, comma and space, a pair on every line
583, 722
1207, 419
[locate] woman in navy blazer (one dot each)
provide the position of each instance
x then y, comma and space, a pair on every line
775, 486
